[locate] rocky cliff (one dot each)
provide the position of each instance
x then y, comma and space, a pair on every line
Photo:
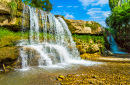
11, 14
86, 27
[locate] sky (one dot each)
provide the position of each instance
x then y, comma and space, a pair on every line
86, 10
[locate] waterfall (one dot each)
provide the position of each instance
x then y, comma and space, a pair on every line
57, 45
113, 46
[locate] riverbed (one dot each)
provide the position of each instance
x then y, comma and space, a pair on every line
103, 73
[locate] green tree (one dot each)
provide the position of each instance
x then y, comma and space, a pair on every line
41, 4
115, 3
119, 19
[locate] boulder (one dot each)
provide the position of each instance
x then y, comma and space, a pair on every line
4, 8
110, 53
81, 27
5, 0
9, 18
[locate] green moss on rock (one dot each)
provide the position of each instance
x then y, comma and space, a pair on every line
8, 53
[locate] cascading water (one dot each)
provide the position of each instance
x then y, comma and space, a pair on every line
56, 47
114, 48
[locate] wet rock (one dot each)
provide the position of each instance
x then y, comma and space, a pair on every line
82, 51
110, 53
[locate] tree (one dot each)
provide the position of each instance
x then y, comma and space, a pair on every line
115, 3
119, 18
41, 4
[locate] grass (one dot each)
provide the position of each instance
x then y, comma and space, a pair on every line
94, 26
88, 38
8, 38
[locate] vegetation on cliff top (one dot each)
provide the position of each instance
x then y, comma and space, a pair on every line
119, 19
94, 26
40, 4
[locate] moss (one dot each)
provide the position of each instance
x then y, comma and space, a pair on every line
90, 41
13, 6
8, 38
94, 26
70, 26
8, 53
19, 14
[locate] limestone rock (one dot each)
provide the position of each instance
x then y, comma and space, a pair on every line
4, 8
82, 29
110, 53
5, 0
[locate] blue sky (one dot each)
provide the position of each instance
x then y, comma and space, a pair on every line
86, 10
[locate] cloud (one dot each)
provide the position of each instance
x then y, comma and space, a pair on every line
100, 2
96, 12
59, 6
106, 13
68, 16
86, 3
102, 23
98, 15
95, 9
69, 6
76, 6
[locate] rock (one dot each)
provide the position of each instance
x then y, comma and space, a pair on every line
5, 0
82, 51
11, 53
79, 47
86, 30
60, 77
4, 8
110, 53
81, 27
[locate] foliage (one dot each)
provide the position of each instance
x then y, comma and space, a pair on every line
119, 19
13, 6
8, 38
41, 4
93, 26
70, 26
88, 38
115, 3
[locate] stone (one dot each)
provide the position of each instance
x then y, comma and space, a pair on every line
82, 51
5, 0
110, 53
79, 47
82, 29
4, 8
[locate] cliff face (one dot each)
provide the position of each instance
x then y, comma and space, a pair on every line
11, 14
86, 27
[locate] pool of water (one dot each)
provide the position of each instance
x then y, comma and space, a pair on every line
41, 75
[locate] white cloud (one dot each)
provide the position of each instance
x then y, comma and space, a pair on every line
76, 6
100, 2
96, 12
106, 13
56, 13
68, 16
102, 23
69, 6
59, 6
98, 15
86, 3
95, 9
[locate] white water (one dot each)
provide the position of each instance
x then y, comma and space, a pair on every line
54, 51
114, 48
